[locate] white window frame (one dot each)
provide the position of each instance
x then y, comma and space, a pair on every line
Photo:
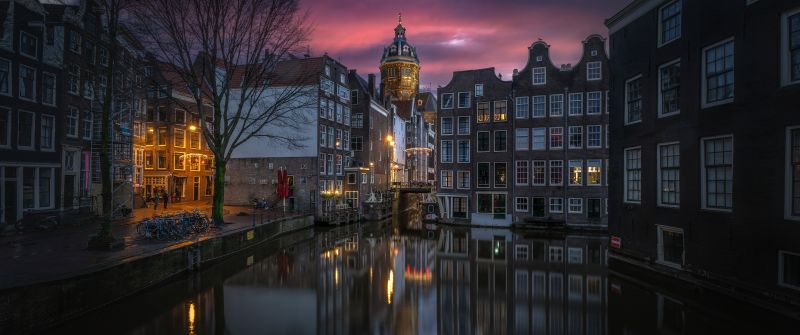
458, 125
477, 141
33, 130
469, 100
469, 181
781, 269
550, 205
442, 129
569, 206
494, 141
478, 90
550, 138
522, 164
441, 179
625, 92
526, 203
661, 42
625, 176
441, 156
569, 137
661, 113
703, 200
517, 133
658, 175
54, 91
546, 138
458, 151
550, 168
599, 165
599, 138
452, 102
589, 72
544, 105
517, 102
532, 173
704, 83
543, 74
660, 246
553, 102
19, 82
599, 99
52, 133
579, 103
569, 172
786, 70
36, 43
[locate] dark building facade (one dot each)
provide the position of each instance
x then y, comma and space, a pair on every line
560, 143
704, 159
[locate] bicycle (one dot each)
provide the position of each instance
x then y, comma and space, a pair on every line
41, 220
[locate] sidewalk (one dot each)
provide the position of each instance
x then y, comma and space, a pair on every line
39, 256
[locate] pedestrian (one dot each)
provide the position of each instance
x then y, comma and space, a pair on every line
166, 199
155, 201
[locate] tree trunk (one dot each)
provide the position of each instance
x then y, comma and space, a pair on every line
218, 204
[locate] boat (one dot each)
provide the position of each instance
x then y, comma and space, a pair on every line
430, 209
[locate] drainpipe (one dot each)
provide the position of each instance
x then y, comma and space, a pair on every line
564, 146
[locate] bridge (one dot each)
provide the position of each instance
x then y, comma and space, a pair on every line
412, 187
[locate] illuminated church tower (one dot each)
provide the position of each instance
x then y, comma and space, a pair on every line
400, 67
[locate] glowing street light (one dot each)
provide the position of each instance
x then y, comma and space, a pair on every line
192, 128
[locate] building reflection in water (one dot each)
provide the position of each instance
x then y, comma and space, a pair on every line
510, 283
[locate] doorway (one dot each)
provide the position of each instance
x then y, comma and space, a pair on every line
196, 191
69, 191
594, 209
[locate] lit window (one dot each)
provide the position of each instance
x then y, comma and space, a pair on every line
500, 111
482, 109
576, 173
593, 172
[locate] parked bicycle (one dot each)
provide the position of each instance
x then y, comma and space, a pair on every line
177, 226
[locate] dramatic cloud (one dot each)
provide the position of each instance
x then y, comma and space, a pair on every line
453, 35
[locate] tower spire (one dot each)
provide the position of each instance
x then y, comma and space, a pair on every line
399, 17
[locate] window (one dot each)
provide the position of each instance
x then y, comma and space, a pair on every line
538, 103
521, 173
482, 110
180, 116
46, 140
5, 127
322, 167
670, 246
329, 164
556, 138
463, 180
447, 101
792, 172
178, 161
521, 253
593, 103
357, 143
323, 136
790, 44
539, 75
74, 41
537, 207
447, 126
463, 151
500, 140
447, 179
521, 142
576, 173
447, 151
521, 110
633, 100
484, 173
27, 83
28, 44
103, 52
25, 129
161, 140
484, 141
5, 77
669, 22
180, 138
48, 89
575, 104
478, 90
521, 205
633, 175
357, 120
161, 159
594, 71
463, 125
789, 269
575, 205
556, 205
148, 160
575, 137
492, 203
194, 140
500, 174
717, 160
72, 122
539, 136
718, 78
331, 141
89, 52
556, 173
556, 105
538, 173
500, 113
88, 85
669, 174
574, 256
74, 79
593, 209
339, 166
593, 136
669, 77
593, 172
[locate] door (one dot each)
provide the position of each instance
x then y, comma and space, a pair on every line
69, 190
196, 190
594, 209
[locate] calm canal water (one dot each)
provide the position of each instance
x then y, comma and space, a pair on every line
396, 277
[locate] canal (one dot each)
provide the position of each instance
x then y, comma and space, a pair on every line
396, 277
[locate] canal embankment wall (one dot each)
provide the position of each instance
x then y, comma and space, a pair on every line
33, 308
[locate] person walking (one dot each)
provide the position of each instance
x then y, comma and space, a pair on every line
155, 200
166, 198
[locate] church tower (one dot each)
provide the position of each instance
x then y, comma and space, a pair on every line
400, 67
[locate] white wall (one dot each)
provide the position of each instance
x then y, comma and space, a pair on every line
399, 155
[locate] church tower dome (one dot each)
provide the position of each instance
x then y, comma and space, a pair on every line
400, 66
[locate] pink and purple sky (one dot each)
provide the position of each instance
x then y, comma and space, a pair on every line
453, 35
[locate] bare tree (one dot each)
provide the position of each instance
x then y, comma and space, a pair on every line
230, 54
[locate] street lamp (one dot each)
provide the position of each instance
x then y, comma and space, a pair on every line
192, 128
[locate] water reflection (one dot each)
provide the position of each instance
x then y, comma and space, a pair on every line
401, 278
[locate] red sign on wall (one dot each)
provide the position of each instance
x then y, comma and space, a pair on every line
616, 242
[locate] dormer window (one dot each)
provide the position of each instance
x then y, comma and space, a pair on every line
539, 76
405, 49
538, 58
392, 48
27, 44
594, 52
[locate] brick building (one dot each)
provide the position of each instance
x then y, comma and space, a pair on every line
704, 159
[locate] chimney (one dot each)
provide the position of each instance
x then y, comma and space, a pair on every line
371, 84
